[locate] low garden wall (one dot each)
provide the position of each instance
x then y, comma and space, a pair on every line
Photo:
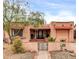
31, 46
71, 46
56, 46
52, 46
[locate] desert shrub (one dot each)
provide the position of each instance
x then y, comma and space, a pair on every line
51, 39
17, 46
62, 45
62, 40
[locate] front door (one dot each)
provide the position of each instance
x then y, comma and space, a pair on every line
42, 46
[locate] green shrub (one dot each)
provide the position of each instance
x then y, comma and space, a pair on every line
17, 46
51, 39
62, 40
62, 45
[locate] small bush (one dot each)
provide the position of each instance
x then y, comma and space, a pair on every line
63, 45
17, 46
62, 40
51, 39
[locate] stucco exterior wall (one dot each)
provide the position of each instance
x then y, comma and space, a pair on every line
56, 46
64, 24
71, 46
62, 35
53, 46
62, 30
71, 35
31, 46
52, 32
6, 37
27, 33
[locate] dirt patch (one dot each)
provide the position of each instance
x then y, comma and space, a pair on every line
7, 53
22, 56
62, 55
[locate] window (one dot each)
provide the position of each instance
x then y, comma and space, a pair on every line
40, 33
17, 32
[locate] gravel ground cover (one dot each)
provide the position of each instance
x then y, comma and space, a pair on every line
63, 55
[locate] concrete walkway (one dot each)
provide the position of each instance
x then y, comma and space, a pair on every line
42, 55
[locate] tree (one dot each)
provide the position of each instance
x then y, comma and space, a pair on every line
12, 12
36, 18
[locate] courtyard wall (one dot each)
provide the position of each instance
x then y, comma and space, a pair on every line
56, 46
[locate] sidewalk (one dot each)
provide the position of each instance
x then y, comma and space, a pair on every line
42, 55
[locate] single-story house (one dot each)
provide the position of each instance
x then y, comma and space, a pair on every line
36, 38
58, 30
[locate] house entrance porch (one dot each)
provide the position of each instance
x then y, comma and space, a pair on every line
39, 35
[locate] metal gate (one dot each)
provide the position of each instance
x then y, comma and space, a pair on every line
43, 46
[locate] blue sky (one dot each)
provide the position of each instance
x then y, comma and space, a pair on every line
55, 10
